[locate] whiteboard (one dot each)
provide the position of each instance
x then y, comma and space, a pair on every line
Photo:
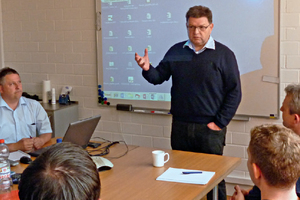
249, 28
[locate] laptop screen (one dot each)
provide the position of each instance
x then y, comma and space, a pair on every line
80, 132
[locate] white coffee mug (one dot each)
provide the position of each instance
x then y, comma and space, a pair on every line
159, 158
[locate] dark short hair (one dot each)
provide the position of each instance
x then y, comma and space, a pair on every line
64, 172
5, 71
199, 11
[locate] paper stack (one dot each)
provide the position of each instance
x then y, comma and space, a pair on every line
176, 175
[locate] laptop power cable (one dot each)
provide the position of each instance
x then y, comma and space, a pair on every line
106, 149
113, 143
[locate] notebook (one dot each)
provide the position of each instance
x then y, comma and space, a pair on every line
79, 132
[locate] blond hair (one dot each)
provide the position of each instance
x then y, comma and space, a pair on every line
276, 151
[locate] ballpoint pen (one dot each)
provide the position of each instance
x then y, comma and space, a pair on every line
194, 172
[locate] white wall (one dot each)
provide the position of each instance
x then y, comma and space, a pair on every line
55, 39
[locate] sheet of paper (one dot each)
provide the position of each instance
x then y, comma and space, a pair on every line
16, 155
176, 175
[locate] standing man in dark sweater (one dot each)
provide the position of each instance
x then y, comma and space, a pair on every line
206, 88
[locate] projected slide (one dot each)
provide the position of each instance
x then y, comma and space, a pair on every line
130, 26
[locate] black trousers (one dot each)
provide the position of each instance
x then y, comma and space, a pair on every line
199, 138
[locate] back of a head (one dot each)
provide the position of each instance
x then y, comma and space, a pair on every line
276, 151
64, 172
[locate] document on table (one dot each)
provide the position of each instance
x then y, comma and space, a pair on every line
16, 155
191, 176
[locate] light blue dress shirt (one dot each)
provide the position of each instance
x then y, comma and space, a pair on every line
27, 120
210, 44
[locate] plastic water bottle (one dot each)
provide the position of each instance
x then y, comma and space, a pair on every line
5, 179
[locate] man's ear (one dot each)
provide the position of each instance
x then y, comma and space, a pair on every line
297, 118
256, 171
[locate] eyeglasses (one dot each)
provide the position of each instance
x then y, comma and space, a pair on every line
201, 28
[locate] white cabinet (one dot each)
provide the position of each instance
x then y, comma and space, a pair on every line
61, 116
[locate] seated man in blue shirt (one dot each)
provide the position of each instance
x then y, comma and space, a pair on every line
21, 119
291, 119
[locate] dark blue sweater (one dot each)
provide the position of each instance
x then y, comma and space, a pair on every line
205, 87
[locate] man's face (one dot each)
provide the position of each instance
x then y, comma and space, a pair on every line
287, 118
11, 88
199, 30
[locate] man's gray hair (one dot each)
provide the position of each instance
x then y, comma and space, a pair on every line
293, 90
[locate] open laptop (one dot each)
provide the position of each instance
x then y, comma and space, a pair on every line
79, 132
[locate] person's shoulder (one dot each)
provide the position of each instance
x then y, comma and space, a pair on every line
176, 48
298, 187
223, 50
180, 44
30, 102
178, 52
220, 46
